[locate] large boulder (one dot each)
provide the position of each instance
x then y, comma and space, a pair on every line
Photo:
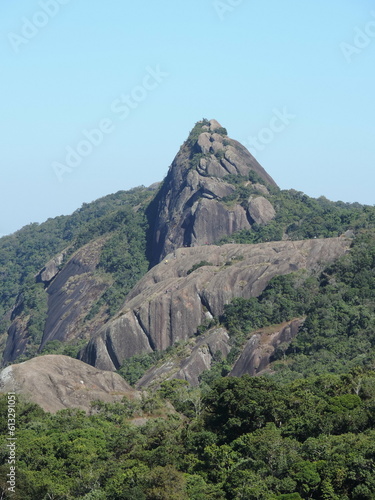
59, 382
260, 210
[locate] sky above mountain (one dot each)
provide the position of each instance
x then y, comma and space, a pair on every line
98, 96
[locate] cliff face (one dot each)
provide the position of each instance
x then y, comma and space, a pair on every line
258, 351
70, 291
170, 301
199, 356
200, 353
191, 206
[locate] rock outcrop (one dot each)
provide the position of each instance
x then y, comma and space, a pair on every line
51, 269
190, 208
200, 354
71, 292
258, 351
260, 210
59, 382
17, 338
192, 284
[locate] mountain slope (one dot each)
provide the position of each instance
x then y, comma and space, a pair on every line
63, 281
172, 300
59, 382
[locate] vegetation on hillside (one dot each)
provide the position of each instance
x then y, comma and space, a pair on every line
24, 253
339, 304
300, 217
305, 431
247, 438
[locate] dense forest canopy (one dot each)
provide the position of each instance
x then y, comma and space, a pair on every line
249, 437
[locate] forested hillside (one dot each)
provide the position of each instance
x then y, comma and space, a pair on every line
25, 253
106, 246
247, 438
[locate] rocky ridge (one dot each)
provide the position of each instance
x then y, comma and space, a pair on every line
190, 281
170, 302
71, 292
200, 353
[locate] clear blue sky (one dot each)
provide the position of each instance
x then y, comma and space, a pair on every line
237, 64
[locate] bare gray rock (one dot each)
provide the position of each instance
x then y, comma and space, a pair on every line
214, 125
199, 357
59, 382
17, 339
189, 208
258, 351
204, 142
261, 188
51, 269
72, 293
260, 210
169, 303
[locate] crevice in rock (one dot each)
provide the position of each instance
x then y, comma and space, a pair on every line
144, 330
170, 323
205, 302
225, 167
111, 353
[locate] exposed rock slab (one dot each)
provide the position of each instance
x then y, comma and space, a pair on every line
261, 210
72, 293
17, 338
169, 303
59, 382
199, 357
51, 269
258, 351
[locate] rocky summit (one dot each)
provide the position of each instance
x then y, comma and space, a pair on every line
191, 206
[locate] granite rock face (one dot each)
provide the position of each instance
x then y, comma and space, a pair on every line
190, 208
59, 382
258, 351
71, 292
260, 210
200, 354
172, 300
201, 351
51, 269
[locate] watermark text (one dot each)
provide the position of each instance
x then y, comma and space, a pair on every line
32, 26
121, 108
361, 40
224, 7
11, 444
280, 120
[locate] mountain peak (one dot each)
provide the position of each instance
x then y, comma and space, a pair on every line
192, 205
214, 124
